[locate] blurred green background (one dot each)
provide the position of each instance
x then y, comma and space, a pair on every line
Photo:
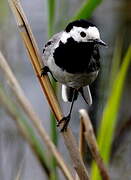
47, 17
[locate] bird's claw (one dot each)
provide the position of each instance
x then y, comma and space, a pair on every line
44, 71
65, 121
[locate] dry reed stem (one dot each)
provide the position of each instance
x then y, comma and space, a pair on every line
81, 143
19, 172
27, 107
82, 140
92, 143
8, 108
35, 58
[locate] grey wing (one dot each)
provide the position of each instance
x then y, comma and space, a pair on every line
49, 46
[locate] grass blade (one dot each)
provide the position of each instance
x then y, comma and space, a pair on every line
87, 9
51, 16
54, 137
3, 11
116, 60
109, 118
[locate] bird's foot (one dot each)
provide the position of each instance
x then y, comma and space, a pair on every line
44, 72
65, 120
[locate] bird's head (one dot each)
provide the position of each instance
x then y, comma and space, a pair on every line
82, 31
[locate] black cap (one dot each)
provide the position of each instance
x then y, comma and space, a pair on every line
78, 23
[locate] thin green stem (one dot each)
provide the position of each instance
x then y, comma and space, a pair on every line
51, 18
87, 9
54, 137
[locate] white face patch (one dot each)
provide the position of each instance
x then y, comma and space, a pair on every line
91, 34
65, 36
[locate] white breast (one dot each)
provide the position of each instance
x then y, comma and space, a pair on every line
71, 80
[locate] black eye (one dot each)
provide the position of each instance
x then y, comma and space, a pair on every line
48, 43
83, 34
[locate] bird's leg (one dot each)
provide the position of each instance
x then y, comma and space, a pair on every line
67, 118
82, 93
45, 70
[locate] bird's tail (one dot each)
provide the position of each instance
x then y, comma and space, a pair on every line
67, 94
86, 94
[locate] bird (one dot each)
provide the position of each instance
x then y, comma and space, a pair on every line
73, 59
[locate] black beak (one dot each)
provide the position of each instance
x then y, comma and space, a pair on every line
99, 41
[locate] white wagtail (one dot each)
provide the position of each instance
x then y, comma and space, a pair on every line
72, 57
